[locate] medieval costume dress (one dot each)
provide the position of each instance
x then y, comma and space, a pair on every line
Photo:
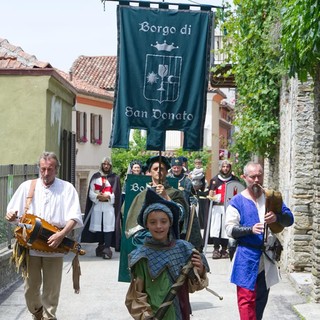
198, 179
185, 185
56, 204
217, 234
189, 193
253, 265
156, 265
93, 221
155, 268
102, 215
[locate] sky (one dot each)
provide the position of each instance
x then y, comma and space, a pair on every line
59, 31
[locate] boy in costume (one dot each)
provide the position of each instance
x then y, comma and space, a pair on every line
156, 265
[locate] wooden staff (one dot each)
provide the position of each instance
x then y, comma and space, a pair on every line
168, 300
191, 218
160, 176
208, 225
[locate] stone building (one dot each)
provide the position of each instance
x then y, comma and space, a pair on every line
295, 172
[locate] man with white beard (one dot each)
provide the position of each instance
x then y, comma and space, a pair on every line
254, 267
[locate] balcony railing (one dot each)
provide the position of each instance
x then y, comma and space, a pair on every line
218, 78
218, 57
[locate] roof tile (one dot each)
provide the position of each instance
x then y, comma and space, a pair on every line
92, 75
84, 86
13, 57
98, 71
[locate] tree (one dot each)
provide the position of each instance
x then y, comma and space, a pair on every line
252, 44
301, 37
121, 158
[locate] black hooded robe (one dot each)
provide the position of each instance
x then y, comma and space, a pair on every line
90, 237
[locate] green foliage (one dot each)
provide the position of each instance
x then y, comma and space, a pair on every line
252, 45
243, 158
121, 158
301, 37
203, 155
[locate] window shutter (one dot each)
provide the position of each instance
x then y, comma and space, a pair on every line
78, 126
100, 128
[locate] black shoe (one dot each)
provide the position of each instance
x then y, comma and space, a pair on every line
216, 254
99, 250
107, 253
224, 254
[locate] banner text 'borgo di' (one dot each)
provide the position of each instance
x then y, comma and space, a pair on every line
162, 75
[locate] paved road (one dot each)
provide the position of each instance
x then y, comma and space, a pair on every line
102, 296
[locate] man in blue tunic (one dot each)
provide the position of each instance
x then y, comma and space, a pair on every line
254, 268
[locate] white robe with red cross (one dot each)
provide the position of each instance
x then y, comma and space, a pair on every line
102, 216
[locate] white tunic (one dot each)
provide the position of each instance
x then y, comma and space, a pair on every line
102, 213
218, 218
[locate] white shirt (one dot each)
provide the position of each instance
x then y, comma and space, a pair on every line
56, 204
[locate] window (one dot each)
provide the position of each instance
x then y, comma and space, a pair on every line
96, 128
81, 133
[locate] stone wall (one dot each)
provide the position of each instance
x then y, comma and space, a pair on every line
296, 176
316, 207
295, 172
8, 275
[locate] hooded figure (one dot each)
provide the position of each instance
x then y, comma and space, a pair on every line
217, 190
102, 213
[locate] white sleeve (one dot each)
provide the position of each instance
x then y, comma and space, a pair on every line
112, 198
18, 200
71, 205
92, 194
232, 219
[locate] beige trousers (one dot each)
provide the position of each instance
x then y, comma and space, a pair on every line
45, 271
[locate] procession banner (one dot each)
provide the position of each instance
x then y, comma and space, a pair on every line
162, 75
134, 185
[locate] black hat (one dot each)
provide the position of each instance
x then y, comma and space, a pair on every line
154, 159
176, 162
151, 199
183, 159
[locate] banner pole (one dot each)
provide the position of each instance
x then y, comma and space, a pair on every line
160, 161
208, 227
147, 3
